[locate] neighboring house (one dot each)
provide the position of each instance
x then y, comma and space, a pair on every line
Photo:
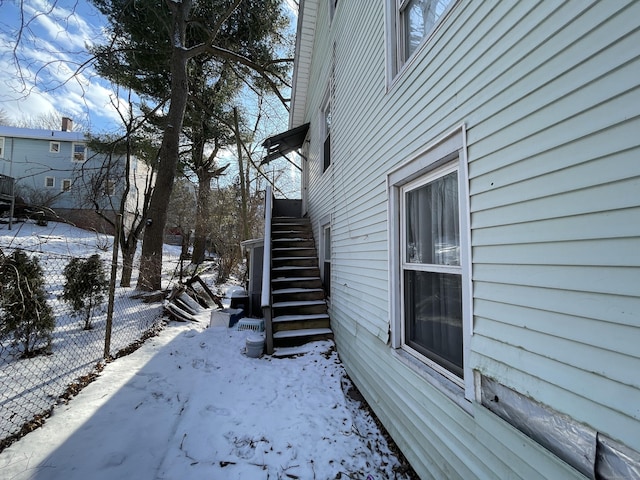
472, 174
56, 169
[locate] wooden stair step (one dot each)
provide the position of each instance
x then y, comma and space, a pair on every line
291, 249
292, 270
305, 332
290, 239
284, 259
301, 303
300, 318
291, 267
286, 291
293, 279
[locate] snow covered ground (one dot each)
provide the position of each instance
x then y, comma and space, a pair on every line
189, 404
29, 386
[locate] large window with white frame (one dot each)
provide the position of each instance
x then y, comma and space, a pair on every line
410, 23
430, 268
431, 278
79, 152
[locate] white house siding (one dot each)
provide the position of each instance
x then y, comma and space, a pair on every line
549, 94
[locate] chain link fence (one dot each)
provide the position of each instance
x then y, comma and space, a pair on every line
61, 316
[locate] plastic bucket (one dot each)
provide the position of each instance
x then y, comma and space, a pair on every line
255, 345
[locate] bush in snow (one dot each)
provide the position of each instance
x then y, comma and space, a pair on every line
85, 286
25, 315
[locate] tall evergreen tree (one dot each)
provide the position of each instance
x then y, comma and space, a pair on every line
153, 45
25, 315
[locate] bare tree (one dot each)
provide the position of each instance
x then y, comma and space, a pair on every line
47, 121
238, 31
181, 214
4, 117
116, 186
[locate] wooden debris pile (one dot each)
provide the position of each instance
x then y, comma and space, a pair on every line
187, 300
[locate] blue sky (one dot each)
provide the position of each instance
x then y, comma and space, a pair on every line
38, 76
39, 79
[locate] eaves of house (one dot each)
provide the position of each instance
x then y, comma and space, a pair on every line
305, 37
40, 134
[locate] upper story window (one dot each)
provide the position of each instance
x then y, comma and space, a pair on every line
79, 152
410, 24
49, 182
54, 147
326, 134
66, 184
332, 9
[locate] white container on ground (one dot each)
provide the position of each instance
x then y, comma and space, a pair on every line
255, 345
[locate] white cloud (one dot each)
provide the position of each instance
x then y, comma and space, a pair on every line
40, 75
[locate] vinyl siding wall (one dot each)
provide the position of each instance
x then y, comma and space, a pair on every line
549, 94
33, 162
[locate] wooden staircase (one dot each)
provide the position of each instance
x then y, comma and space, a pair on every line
298, 298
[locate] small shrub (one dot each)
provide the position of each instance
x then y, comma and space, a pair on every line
25, 315
85, 286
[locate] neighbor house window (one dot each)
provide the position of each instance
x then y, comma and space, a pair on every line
66, 184
429, 254
109, 187
1, 147
49, 182
79, 152
410, 23
326, 133
54, 147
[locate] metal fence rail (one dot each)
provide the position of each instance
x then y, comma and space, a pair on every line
31, 384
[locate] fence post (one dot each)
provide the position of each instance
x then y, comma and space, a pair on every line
112, 286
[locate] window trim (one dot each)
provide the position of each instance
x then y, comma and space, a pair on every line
51, 149
53, 182
443, 151
73, 152
325, 224
394, 43
428, 177
324, 136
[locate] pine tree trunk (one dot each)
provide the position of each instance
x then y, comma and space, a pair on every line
150, 277
127, 265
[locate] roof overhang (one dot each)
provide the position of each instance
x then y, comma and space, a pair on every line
305, 38
281, 144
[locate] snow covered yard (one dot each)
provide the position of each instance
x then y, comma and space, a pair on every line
30, 386
190, 405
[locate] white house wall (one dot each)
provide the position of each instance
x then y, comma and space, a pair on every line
549, 94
